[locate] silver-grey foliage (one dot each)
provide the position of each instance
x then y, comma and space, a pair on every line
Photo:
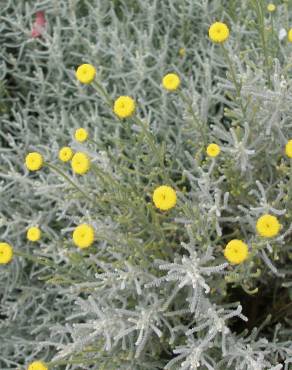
154, 291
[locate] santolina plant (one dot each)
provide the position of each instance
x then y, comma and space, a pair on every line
149, 221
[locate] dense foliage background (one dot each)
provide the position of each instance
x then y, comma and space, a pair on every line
119, 304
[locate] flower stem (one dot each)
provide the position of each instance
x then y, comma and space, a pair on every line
261, 28
197, 122
40, 260
234, 79
290, 182
56, 169
236, 83
99, 88
152, 144
93, 142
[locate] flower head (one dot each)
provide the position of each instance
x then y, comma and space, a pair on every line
236, 251
81, 135
288, 149
268, 226
164, 197
34, 161
271, 7
33, 234
218, 32
85, 73
37, 365
124, 107
6, 253
83, 236
65, 154
182, 52
290, 35
171, 82
80, 163
213, 150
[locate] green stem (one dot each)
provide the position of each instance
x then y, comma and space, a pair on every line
56, 169
275, 40
261, 27
286, 15
290, 182
156, 223
93, 142
39, 260
233, 75
234, 79
148, 135
99, 88
80, 361
153, 146
194, 116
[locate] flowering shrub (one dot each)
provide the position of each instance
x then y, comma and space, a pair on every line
146, 185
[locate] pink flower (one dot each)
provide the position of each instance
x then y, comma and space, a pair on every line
39, 24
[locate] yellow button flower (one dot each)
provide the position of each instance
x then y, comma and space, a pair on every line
182, 52
218, 32
80, 163
6, 253
37, 365
65, 154
34, 234
268, 226
236, 251
164, 197
171, 82
83, 236
85, 73
124, 107
34, 161
271, 7
213, 150
290, 35
81, 135
288, 149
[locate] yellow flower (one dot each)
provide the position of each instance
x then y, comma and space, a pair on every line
34, 161
271, 7
218, 32
288, 149
80, 163
34, 234
182, 52
164, 197
85, 73
290, 35
65, 154
268, 226
236, 251
81, 135
6, 253
213, 150
37, 365
171, 82
124, 106
83, 236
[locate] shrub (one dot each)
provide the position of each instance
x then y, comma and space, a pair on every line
146, 185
